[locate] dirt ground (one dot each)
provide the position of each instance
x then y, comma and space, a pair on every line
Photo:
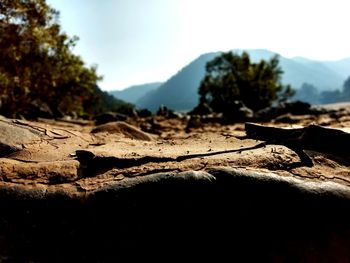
59, 156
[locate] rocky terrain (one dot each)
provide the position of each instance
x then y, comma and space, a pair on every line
176, 188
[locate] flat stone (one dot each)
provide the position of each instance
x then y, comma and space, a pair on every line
13, 137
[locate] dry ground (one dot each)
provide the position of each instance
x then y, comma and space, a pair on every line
60, 155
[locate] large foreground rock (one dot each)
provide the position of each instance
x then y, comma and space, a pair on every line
69, 195
220, 214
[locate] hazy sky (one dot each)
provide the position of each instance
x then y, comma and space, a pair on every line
140, 41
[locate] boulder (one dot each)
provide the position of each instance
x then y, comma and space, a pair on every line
122, 128
218, 214
110, 117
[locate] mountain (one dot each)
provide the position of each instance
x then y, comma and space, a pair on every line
322, 74
180, 91
341, 66
133, 93
325, 75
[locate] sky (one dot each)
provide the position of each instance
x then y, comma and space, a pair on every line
140, 41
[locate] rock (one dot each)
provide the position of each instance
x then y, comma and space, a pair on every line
151, 126
293, 119
14, 136
214, 118
57, 172
73, 196
144, 113
234, 111
70, 120
194, 122
295, 108
39, 109
123, 128
167, 113
237, 111
219, 213
201, 109
110, 117
311, 138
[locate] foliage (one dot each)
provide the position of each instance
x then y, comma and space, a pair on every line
230, 77
346, 89
330, 96
102, 101
37, 66
311, 94
337, 95
307, 93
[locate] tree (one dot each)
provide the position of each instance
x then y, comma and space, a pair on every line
308, 93
231, 77
330, 96
346, 89
102, 101
37, 65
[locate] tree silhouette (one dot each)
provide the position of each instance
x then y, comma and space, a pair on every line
308, 93
37, 66
231, 77
346, 89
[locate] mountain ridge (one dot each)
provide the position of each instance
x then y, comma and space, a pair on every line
180, 91
133, 93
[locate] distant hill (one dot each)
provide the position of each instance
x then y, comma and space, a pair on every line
180, 91
340, 66
133, 93
325, 75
